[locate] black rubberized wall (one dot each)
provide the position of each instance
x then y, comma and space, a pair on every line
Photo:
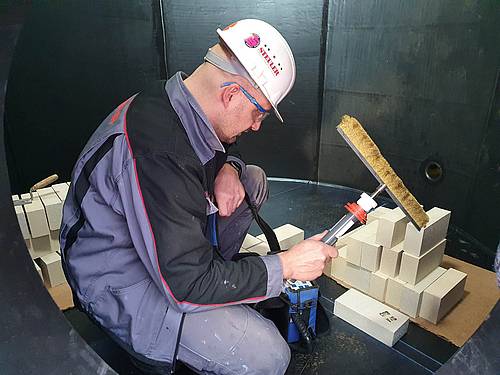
285, 151
420, 76
74, 62
35, 337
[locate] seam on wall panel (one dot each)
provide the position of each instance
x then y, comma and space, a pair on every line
321, 82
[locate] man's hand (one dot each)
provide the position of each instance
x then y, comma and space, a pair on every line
306, 260
228, 189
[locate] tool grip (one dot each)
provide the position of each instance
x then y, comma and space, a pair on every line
339, 229
45, 182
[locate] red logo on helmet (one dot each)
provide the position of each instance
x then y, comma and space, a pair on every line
252, 41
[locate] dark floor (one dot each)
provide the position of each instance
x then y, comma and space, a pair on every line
345, 350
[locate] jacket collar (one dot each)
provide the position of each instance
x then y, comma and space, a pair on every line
199, 130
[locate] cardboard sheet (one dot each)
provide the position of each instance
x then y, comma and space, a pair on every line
481, 295
62, 296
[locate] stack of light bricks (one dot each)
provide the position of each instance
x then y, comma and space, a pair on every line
287, 236
393, 262
40, 221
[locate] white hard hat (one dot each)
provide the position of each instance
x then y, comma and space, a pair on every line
265, 55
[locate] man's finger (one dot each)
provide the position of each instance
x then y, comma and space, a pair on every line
318, 236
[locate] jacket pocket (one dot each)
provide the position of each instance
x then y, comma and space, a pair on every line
131, 314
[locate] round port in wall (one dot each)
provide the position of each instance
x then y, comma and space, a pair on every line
432, 170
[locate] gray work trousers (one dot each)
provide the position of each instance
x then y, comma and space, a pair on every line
235, 339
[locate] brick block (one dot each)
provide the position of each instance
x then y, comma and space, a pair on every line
21, 219
370, 253
417, 242
29, 246
249, 241
354, 243
411, 296
376, 214
52, 269
357, 277
41, 246
53, 207
378, 286
391, 228
394, 291
414, 269
343, 239
38, 269
337, 266
35, 214
54, 240
390, 260
370, 229
287, 235
371, 316
261, 248
442, 295
61, 190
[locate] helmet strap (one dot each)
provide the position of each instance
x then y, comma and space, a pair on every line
232, 67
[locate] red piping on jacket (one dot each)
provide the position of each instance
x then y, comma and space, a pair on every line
153, 236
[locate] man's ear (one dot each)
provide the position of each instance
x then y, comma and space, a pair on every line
229, 94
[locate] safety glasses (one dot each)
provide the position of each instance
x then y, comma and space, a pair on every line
263, 113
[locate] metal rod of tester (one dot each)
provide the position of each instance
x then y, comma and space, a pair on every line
347, 221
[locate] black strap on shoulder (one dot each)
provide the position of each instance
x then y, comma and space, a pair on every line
266, 229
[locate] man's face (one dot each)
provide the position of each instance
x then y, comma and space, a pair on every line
244, 113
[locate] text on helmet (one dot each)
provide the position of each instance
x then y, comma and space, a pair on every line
269, 61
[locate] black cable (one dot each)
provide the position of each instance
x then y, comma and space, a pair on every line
303, 330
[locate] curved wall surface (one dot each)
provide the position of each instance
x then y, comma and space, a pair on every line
35, 337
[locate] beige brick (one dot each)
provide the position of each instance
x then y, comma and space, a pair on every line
357, 277
343, 239
52, 269
36, 217
29, 246
394, 291
411, 296
250, 241
342, 251
414, 269
41, 246
390, 261
54, 240
378, 286
442, 295
287, 235
261, 248
370, 254
354, 243
52, 205
38, 269
21, 219
370, 229
391, 228
61, 190
417, 242
336, 267
376, 214
371, 316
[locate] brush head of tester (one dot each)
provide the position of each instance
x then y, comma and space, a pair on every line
367, 150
